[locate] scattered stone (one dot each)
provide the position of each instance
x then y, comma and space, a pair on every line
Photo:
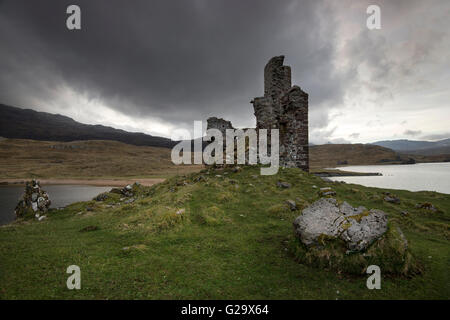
236, 169
42, 218
34, 200
314, 187
284, 185
427, 206
292, 205
404, 213
180, 211
128, 190
392, 199
326, 219
89, 209
327, 191
128, 201
101, 197
200, 178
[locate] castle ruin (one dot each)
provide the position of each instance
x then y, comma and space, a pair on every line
282, 107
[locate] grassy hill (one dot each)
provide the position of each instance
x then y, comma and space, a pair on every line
84, 159
332, 155
25, 159
216, 234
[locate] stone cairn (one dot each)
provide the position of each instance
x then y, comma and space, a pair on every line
283, 107
35, 201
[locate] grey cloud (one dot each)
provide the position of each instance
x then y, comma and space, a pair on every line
438, 136
186, 60
412, 132
175, 60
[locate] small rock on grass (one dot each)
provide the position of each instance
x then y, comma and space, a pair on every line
284, 185
292, 205
392, 199
426, 206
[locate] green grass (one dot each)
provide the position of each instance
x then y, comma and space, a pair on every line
231, 242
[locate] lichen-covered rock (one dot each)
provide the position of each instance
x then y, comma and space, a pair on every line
357, 227
342, 238
35, 201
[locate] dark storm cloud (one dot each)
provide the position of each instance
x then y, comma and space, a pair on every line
173, 60
154, 66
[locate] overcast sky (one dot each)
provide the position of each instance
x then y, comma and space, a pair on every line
155, 66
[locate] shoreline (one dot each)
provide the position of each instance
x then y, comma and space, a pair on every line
94, 182
339, 173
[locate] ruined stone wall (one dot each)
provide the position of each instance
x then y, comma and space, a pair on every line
282, 107
219, 123
285, 108
294, 149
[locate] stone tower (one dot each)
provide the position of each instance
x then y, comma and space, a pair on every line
284, 107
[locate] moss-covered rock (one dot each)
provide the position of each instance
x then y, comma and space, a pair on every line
390, 253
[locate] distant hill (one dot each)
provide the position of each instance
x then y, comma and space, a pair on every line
19, 123
26, 159
417, 147
333, 155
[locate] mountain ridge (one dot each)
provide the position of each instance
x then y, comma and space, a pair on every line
18, 123
416, 146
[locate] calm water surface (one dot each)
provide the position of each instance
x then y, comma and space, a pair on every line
413, 177
60, 195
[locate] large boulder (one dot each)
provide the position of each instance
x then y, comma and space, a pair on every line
34, 202
357, 227
339, 237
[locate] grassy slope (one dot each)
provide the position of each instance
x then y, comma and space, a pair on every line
230, 243
84, 159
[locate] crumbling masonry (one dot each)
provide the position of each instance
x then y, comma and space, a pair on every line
282, 107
